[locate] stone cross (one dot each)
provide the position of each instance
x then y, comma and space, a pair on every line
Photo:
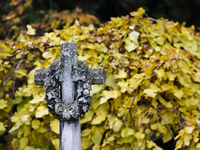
74, 78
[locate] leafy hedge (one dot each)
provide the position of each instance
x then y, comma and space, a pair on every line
152, 85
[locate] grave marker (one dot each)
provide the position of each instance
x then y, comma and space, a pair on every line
75, 79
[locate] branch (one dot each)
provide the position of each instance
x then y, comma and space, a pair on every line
13, 90
166, 124
155, 109
154, 72
184, 61
168, 127
162, 63
179, 114
152, 19
131, 103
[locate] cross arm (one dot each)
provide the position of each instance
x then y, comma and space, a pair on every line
39, 76
98, 75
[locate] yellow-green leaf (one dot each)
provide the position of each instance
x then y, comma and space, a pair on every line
41, 111
101, 114
22, 72
187, 139
134, 36
30, 31
117, 125
130, 46
30, 148
96, 135
23, 143
35, 124
167, 116
139, 135
3, 104
139, 12
2, 127
121, 74
167, 137
55, 126
126, 132
55, 143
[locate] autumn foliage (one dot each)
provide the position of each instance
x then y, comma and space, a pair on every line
13, 23
152, 85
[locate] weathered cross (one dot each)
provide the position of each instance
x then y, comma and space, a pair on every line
75, 79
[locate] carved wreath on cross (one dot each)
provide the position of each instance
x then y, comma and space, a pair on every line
68, 111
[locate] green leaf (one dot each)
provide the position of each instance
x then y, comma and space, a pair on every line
87, 117
23, 143
96, 135
126, 132
110, 81
17, 100
101, 114
167, 116
117, 125
167, 137
29, 148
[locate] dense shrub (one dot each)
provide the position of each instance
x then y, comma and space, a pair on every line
152, 85
39, 16
15, 14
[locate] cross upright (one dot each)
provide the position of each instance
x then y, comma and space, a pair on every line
75, 79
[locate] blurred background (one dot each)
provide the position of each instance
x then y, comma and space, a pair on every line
49, 15
16, 14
